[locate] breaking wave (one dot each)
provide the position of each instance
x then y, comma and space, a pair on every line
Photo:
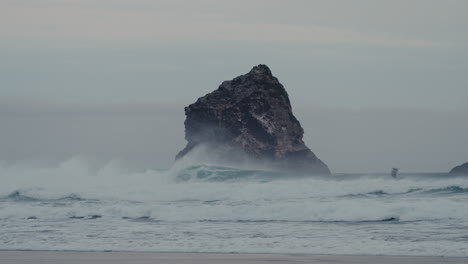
76, 194
213, 193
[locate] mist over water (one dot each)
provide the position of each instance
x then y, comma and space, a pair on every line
78, 205
92, 97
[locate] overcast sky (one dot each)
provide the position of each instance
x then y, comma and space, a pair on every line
375, 84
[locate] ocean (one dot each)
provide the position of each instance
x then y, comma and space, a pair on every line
202, 208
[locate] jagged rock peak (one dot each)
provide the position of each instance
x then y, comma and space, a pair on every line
261, 70
250, 117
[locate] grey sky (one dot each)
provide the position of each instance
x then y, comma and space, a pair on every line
362, 75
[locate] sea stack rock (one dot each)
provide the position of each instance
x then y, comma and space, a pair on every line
462, 169
249, 120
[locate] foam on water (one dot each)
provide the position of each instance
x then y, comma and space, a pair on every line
217, 209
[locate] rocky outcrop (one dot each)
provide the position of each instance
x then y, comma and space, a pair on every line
462, 169
249, 119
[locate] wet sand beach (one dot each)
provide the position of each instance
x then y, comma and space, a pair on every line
82, 257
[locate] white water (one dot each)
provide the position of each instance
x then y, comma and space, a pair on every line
76, 206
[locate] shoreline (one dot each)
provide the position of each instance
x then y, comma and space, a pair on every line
121, 257
214, 252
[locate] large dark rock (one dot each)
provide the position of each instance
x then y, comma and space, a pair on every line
249, 119
462, 169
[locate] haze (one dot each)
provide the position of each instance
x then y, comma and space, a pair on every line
375, 84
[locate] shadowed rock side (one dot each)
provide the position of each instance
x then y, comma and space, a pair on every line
462, 169
250, 119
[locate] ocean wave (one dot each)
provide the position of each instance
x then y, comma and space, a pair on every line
242, 209
416, 191
226, 174
380, 193
384, 220
448, 190
200, 207
21, 196
204, 192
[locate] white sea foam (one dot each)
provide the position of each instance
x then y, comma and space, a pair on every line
224, 209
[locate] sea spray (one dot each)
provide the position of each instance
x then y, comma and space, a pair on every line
200, 207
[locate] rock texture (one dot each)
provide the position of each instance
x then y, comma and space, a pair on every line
250, 115
462, 169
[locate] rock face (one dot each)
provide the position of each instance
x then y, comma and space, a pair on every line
250, 118
462, 169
